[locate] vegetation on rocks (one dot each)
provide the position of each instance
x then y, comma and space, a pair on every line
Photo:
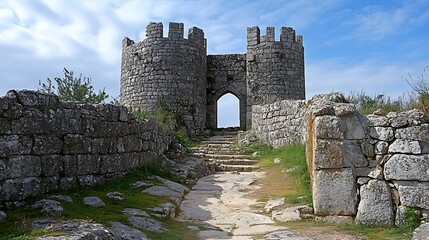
70, 88
18, 224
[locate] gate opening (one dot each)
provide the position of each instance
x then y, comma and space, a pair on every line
228, 111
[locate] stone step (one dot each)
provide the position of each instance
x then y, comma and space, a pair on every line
223, 156
207, 142
235, 161
223, 152
236, 168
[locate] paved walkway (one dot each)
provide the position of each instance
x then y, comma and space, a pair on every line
216, 206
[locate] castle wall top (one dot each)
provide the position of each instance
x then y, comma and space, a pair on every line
287, 34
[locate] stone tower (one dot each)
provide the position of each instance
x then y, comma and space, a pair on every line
274, 69
166, 72
176, 73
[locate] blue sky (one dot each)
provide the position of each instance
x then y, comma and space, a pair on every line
349, 45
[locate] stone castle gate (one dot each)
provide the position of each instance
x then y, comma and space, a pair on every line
177, 72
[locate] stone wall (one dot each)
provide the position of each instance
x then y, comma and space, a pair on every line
166, 74
225, 74
280, 123
46, 144
370, 168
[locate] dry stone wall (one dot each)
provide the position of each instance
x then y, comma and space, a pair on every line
46, 144
370, 168
280, 123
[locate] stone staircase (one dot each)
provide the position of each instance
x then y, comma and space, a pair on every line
221, 154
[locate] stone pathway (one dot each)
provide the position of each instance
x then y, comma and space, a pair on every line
216, 206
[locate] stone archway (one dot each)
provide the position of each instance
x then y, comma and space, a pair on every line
212, 108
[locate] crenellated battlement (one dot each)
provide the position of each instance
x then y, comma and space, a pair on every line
287, 35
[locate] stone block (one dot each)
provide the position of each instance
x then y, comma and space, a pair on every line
414, 195
368, 149
377, 121
15, 145
353, 155
87, 164
407, 167
405, 146
328, 154
381, 148
334, 192
353, 128
69, 165
328, 127
375, 207
112, 163
23, 166
67, 183
382, 133
20, 188
4, 126
52, 165
49, 184
44, 145
76, 144
419, 133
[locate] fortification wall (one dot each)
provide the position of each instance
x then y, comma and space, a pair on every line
166, 72
280, 123
370, 168
46, 144
225, 74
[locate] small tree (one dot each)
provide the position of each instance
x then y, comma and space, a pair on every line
421, 87
71, 88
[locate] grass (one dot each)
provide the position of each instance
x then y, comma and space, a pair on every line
18, 224
294, 184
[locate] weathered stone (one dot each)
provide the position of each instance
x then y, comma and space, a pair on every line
407, 167
135, 212
414, 195
2, 216
147, 223
419, 133
141, 184
368, 149
344, 109
422, 232
382, 133
277, 160
405, 146
76, 144
78, 230
334, 192
272, 203
353, 155
165, 192
47, 145
115, 196
375, 207
328, 154
381, 147
4, 126
327, 127
165, 211
15, 145
93, 202
67, 183
400, 216
89, 180
51, 165
23, 166
51, 207
20, 188
363, 180
377, 121
353, 128
62, 198
376, 172
289, 214
87, 164
397, 120
124, 232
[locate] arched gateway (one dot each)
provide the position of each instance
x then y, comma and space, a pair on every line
177, 72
